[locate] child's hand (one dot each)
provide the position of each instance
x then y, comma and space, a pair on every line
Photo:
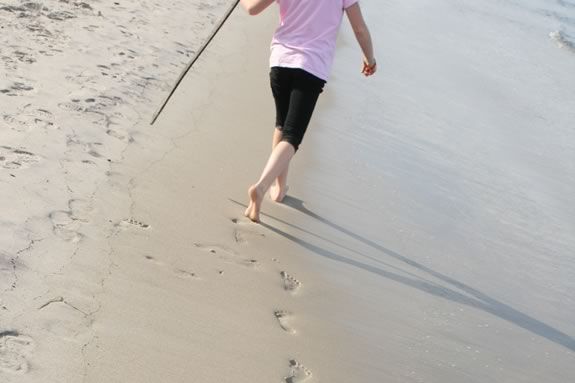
369, 67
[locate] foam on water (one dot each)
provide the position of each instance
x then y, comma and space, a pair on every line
563, 40
555, 19
558, 15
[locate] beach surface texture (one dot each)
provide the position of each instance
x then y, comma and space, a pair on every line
428, 234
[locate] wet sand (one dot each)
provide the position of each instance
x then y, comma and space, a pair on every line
438, 197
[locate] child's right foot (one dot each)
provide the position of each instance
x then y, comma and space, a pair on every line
278, 193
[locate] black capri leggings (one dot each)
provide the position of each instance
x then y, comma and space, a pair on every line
295, 93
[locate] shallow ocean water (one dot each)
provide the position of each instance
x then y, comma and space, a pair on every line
445, 185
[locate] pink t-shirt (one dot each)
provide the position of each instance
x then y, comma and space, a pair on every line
307, 34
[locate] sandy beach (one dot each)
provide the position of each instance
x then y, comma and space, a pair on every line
428, 234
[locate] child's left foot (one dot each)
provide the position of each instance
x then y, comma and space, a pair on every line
248, 211
253, 210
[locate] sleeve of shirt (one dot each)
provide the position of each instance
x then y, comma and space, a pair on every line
349, 3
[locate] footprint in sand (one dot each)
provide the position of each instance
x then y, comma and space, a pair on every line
123, 54
73, 105
66, 223
60, 15
14, 350
298, 372
82, 5
180, 273
95, 104
107, 70
290, 283
243, 233
24, 55
185, 274
131, 222
8, 266
61, 218
284, 318
120, 135
106, 111
227, 255
65, 226
89, 148
17, 89
12, 158
12, 8
30, 118
80, 209
91, 27
16, 56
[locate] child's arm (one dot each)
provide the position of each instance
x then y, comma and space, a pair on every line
256, 6
363, 38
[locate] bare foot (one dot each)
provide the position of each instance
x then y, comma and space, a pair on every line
248, 211
277, 192
256, 197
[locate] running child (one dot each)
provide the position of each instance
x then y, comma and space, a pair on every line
302, 52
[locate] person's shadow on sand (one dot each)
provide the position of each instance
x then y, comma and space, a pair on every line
457, 292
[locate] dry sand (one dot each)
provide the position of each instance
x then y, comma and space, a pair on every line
99, 282
125, 257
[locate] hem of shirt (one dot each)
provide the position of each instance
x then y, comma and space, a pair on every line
321, 76
351, 3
